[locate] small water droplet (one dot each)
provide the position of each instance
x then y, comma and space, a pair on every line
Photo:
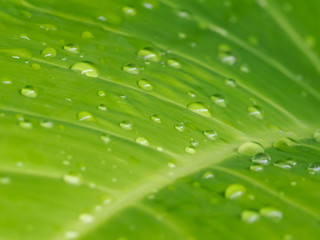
87, 35
192, 94
36, 66
271, 213
72, 178
219, 100
5, 180
194, 142
85, 116
235, 191
29, 91
261, 158
255, 111
190, 149
211, 135
249, 216
150, 54
145, 85
86, 218
174, 63
171, 165
26, 124
256, 168
101, 93
314, 167
49, 52
72, 48
85, 68
46, 124
126, 125
316, 135
245, 68
199, 108
207, 175
102, 107
250, 148
105, 138
131, 68
49, 27
231, 82
155, 119
285, 144
285, 164
130, 11
180, 127
143, 141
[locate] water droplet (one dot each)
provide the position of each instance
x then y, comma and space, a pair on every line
199, 108
126, 125
271, 213
245, 68
85, 116
174, 63
182, 35
207, 175
285, 144
249, 216
314, 167
180, 127
25, 124
231, 82
145, 85
131, 68
143, 141
190, 150
130, 11
171, 165
234, 191
72, 48
155, 119
5, 180
46, 124
227, 58
194, 142
255, 111
87, 35
36, 66
192, 94
49, 52
29, 91
86, 218
256, 168
261, 158
316, 135
250, 148
219, 100
49, 27
85, 68
285, 164
72, 178
211, 135
101, 93
150, 54
102, 107
105, 138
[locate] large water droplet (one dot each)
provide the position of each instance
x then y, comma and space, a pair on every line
86, 218
271, 212
49, 52
285, 144
261, 158
85, 116
250, 148
126, 125
85, 68
150, 54
131, 68
29, 91
255, 111
72, 48
145, 85
235, 191
219, 100
155, 119
199, 108
72, 178
190, 149
211, 135
249, 216
143, 141
174, 63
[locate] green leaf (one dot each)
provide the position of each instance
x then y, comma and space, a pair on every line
159, 119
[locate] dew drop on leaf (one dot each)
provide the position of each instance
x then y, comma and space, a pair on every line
105, 138
150, 54
145, 85
49, 52
49, 27
249, 216
29, 91
207, 175
271, 213
285, 144
131, 68
36, 66
192, 94
85, 116
211, 135
87, 35
199, 108
255, 111
5, 180
72, 178
219, 100
102, 107
26, 124
174, 63
143, 141
130, 11
86, 218
180, 127
256, 168
190, 149
250, 148
155, 119
234, 191
126, 125
230, 82
72, 48
285, 164
261, 158
85, 68
101, 93
46, 124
